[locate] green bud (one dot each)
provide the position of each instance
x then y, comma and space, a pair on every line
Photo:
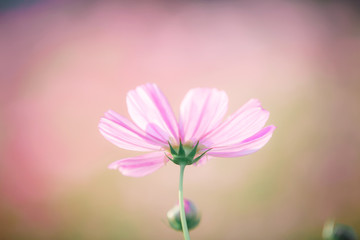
338, 231
192, 216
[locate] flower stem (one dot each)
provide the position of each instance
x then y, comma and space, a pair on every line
181, 203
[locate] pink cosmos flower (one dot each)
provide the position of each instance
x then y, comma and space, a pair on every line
154, 127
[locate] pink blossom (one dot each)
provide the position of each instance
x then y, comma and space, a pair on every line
154, 126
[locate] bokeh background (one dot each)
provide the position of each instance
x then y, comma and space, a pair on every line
64, 63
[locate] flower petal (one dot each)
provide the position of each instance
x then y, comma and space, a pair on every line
245, 122
200, 112
141, 165
245, 147
124, 134
150, 110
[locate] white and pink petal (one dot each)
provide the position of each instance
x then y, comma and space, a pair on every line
244, 123
150, 110
141, 165
124, 134
244, 147
201, 110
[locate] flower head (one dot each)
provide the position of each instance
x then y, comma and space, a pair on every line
155, 129
337, 231
192, 216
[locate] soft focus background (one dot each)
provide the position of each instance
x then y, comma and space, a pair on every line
64, 63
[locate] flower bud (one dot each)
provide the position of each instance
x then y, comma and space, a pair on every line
192, 216
337, 231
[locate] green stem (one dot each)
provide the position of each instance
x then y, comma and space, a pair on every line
181, 203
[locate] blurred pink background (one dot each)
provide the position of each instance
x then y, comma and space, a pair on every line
63, 64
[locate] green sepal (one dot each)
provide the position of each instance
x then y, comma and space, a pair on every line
181, 152
193, 151
172, 150
199, 157
185, 156
169, 157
